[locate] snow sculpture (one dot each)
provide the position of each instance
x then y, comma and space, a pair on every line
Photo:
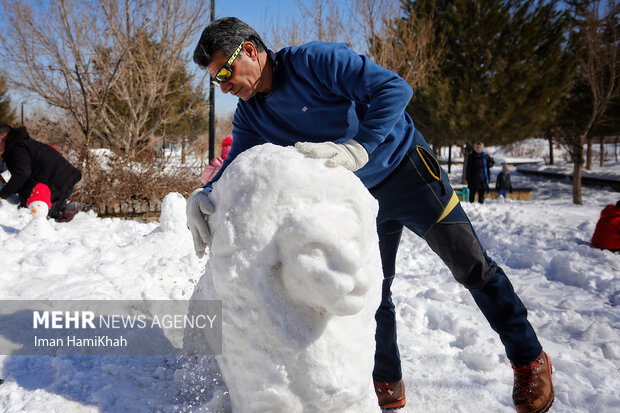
172, 217
39, 204
295, 261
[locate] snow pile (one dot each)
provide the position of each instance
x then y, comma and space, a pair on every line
610, 172
173, 217
295, 259
452, 360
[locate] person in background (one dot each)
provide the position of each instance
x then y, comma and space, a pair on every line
478, 172
337, 106
214, 166
3, 170
503, 183
607, 232
226, 144
31, 162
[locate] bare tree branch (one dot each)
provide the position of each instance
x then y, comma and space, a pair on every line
89, 53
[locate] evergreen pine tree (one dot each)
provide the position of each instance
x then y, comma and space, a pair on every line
7, 114
503, 72
175, 115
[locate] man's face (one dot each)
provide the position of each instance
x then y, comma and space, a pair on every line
245, 81
478, 148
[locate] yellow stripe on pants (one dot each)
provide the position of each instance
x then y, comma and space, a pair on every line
454, 200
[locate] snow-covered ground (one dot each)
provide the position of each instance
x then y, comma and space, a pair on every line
452, 360
609, 172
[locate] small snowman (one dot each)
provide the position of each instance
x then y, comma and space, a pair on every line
173, 222
173, 218
39, 204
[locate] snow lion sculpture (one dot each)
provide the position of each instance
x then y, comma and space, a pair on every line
295, 260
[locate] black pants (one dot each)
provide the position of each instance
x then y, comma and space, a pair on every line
480, 192
417, 195
59, 203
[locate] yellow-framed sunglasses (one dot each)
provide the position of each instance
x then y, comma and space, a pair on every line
225, 72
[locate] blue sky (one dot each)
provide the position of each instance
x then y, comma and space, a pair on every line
260, 14
254, 12
257, 13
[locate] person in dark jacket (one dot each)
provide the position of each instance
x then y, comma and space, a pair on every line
477, 173
31, 162
503, 183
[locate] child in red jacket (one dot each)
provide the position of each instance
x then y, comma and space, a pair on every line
607, 232
211, 169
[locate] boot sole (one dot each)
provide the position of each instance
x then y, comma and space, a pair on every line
391, 409
394, 406
546, 408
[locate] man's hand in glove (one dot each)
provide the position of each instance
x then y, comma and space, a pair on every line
350, 154
199, 208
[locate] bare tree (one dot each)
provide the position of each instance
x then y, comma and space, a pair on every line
156, 36
325, 20
58, 132
278, 34
589, 152
372, 27
87, 51
596, 39
7, 114
223, 128
408, 48
56, 60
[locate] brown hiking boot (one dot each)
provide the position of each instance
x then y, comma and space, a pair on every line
390, 395
533, 389
68, 211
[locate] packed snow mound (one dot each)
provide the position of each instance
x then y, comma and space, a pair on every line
295, 261
173, 217
572, 292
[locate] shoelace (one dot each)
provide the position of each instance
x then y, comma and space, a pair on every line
383, 387
525, 375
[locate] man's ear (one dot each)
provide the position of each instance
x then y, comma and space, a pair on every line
250, 50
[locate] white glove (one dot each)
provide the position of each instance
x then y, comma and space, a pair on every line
199, 208
350, 154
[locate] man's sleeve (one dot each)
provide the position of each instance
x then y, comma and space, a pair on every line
19, 166
243, 138
357, 78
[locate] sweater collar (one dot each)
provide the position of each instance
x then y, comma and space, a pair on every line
276, 78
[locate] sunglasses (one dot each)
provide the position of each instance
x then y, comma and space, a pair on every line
225, 73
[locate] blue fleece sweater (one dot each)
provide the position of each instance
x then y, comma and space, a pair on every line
326, 92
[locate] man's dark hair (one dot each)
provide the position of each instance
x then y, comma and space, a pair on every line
225, 35
4, 128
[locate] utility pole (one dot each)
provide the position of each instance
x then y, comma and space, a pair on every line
212, 103
22, 113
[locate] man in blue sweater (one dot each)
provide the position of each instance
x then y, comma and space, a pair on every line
333, 104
